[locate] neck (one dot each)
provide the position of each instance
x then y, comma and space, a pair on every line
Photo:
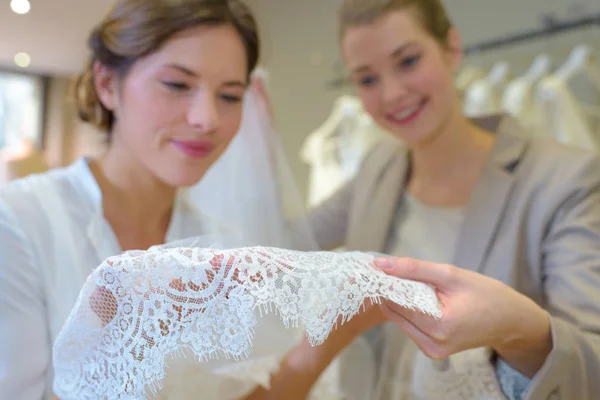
445, 170
132, 197
458, 147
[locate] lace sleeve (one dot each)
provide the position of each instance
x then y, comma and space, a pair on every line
139, 307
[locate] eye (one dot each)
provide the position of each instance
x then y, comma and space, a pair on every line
409, 62
367, 81
228, 98
176, 86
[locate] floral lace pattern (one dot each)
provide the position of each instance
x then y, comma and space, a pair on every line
140, 307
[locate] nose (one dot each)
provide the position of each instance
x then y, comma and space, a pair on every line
394, 90
203, 114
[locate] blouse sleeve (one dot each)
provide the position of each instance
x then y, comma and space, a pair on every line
25, 352
514, 385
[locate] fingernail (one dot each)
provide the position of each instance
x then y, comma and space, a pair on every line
384, 263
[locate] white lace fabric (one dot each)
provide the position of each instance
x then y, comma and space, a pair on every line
468, 375
140, 308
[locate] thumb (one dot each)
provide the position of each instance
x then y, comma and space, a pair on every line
439, 275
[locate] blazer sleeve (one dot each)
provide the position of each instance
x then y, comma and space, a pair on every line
329, 220
25, 352
571, 279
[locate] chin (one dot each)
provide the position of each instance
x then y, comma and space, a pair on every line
410, 136
419, 132
181, 179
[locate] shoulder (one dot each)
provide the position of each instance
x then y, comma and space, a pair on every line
553, 181
23, 193
540, 164
31, 201
560, 166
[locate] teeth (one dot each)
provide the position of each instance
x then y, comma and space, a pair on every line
406, 113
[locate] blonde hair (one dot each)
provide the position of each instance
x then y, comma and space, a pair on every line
134, 29
431, 13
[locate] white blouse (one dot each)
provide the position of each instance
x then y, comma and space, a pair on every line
52, 235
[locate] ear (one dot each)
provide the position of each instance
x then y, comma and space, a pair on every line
107, 83
455, 49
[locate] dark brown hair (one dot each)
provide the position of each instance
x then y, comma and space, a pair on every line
431, 14
134, 29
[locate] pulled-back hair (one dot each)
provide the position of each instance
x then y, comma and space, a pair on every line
431, 14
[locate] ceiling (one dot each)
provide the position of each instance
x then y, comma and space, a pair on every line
53, 33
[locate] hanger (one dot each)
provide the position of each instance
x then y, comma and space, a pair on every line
539, 68
344, 107
581, 60
499, 74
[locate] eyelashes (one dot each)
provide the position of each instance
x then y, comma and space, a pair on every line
405, 64
176, 86
182, 87
409, 62
231, 99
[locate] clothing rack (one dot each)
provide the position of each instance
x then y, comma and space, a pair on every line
552, 27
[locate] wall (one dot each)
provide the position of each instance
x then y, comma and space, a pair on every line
301, 50
67, 138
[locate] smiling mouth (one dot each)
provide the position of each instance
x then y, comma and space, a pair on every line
407, 115
194, 148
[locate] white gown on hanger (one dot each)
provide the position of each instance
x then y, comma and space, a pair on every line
563, 116
519, 98
484, 96
336, 149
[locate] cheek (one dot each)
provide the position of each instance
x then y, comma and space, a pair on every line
150, 112
433, 80
230, 122
371, 100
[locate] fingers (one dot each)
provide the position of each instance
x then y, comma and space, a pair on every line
104, 304
426, 344
436, 329
438, 275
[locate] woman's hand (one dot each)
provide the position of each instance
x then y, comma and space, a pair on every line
478, 311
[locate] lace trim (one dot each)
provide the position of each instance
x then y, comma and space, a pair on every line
140, 307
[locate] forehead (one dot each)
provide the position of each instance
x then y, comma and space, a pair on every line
381, 37
214, 52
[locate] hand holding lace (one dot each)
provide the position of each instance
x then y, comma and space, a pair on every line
478, 312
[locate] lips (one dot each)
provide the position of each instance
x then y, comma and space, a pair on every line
194, 148
407, 114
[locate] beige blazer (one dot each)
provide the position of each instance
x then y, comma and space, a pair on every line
533, 222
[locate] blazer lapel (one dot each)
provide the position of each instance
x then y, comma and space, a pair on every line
489, 200
382, 200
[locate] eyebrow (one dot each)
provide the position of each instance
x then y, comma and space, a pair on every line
393, 54
240, 84
193, 74
183, 69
